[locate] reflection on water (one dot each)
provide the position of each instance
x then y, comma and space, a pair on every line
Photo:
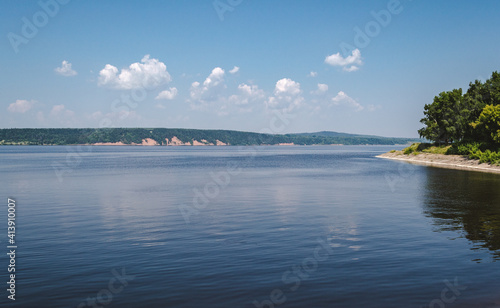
120, 208
467, 203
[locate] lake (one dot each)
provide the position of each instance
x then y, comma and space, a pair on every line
269, 226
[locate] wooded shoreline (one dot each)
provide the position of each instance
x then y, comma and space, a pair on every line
177, 136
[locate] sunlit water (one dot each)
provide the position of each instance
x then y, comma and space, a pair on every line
325, 226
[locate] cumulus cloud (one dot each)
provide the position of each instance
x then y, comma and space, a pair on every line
234, 70
251, 90
352, 68
61, 111
215, 78
21, 106
167, 94
247, 94
322, 88
212, 95
343, 98
287, 96
60, 115
287, 86
65, 69
350, 63
313, 74
210, 90
149, 73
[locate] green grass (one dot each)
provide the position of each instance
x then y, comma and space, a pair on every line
417, 148
485, 153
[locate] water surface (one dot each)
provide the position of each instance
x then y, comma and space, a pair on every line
311, 226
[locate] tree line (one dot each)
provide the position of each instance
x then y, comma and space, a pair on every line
469, 122
471, 117
66, 136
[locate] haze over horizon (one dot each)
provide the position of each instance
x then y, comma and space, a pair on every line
282, 66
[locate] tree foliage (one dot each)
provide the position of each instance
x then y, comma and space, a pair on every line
64, 136
488, 124
444, 121
453, 117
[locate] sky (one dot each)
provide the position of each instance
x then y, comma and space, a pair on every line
364, 67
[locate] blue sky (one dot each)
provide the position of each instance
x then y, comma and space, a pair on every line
351, 66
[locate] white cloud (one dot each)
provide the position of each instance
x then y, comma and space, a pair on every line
352, 68
320, 98
343, 98
251, 90
248, 93
65, 69
349, 64
167, 94
287, 86
211, 88
21, 106
287, 96
373, 107
214, 96
148, 74
313, 74
215, 78
234, 70
322, 88
59, 115
61, 111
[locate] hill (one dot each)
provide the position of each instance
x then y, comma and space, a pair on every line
177, 136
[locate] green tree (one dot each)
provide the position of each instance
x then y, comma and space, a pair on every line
444, 119
493, 88
488, 124
474, 102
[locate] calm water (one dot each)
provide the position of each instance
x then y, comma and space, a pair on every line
328, 226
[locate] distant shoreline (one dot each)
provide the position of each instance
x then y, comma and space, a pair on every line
181, 136
98, 144
457, 162
195, 144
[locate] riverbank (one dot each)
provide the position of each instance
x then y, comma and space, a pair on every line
458, 162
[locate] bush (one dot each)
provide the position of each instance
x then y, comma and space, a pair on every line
485, 153
416, 148
412, 148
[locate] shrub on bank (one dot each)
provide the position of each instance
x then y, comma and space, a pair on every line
417, 148
485, 153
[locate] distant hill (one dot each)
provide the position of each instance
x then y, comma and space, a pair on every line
178, 136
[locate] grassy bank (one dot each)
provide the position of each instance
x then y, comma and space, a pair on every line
485, 153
